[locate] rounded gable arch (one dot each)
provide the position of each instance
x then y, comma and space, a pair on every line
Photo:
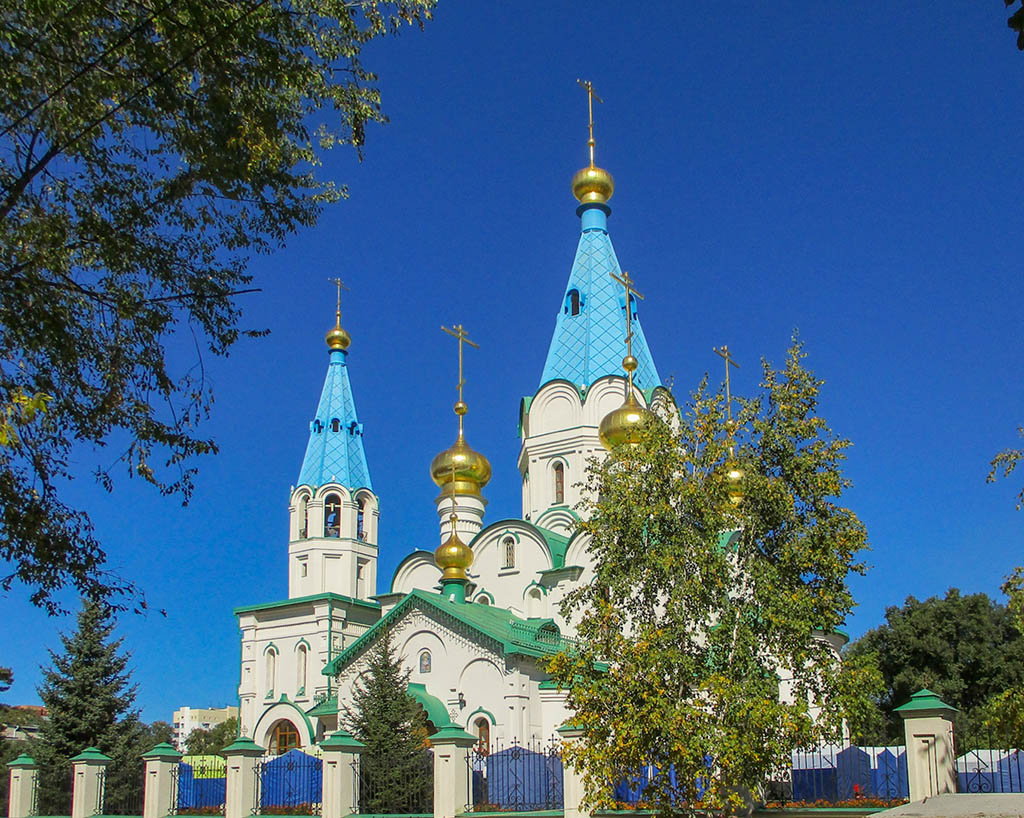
417, 570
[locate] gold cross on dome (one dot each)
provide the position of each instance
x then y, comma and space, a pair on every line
588, 86
337, 282
723, 353
459, 333
631, 291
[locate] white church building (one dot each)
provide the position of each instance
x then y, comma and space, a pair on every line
474, 621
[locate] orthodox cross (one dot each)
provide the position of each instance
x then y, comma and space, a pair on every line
631, 291
337, 282
588, 86
723, 353
459, 333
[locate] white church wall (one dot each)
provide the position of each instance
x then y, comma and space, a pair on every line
418, 570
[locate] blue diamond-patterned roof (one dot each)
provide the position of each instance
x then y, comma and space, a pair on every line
335, 453
591, 344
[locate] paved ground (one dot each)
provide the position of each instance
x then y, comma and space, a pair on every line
964, 805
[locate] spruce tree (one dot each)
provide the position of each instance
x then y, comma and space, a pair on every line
89, 698
393, 727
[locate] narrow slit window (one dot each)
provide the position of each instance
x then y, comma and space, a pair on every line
559, 483
509, 553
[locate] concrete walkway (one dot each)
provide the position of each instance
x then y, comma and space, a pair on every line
961, 805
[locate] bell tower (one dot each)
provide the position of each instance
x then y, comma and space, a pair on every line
334, 512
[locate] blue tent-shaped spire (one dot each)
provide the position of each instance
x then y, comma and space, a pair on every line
335, 453
589, 330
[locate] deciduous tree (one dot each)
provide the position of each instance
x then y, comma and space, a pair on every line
704, 639
1006, 461
211, 740
1004, 713
147, 150
964, 648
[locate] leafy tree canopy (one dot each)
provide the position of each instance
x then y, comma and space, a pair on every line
964, 648
6, 679
146, 151
1006, 461
89, 699
702, 639
211, 740
393, 727
1004, 713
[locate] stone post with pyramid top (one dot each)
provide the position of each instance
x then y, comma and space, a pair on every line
242, 755
160, 796
21, 797
340, 774
90, 770
452, 782
931, 757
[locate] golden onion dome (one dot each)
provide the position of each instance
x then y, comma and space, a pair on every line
625, 424
734, 481
470, 470
337, 338
453, 557
593, 184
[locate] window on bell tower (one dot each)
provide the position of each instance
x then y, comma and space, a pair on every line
559, 471
332, 516
572, 302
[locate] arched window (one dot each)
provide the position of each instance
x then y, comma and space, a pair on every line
572, 302
534, 604
283, 737
508, 547
559, 484
300, 670
483, 736
271, 672
332, 516
335, 425
425, 662
360, 530
303, 516
318, 427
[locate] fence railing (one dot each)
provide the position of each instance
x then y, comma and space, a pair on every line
989, 770
516, 776
121, 790
843, 774
199, 786
289, 784
381, 793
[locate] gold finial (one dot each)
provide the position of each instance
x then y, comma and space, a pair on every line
592, 184
473, 469
733, 473
337, 338
625, 424
588, 86
453, 556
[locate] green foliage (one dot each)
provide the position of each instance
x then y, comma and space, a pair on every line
964, 648
1006, 461
1004, 713
89, 700
393, 727
700, 607
211, 740
146, 152
1016, 22
6, 679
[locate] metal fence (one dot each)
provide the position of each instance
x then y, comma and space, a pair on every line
122, 790
516, 776
985, 765
843, 774
289, 784
199, 786
391, 792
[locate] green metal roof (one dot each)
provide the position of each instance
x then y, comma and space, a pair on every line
924, 699
558, 544
510, 633
433, 706
300, 600
328, 707
91, 754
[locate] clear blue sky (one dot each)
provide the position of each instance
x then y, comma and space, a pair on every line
848, 169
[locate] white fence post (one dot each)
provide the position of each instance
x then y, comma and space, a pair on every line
341, 774
161, 792
451, 771
21, 796
90, 770
240, 787
572, 781
931, 759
